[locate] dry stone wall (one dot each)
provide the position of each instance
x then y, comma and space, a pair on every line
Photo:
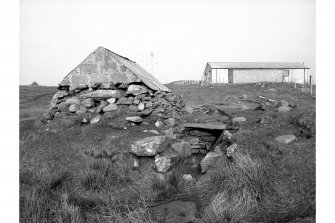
98, 99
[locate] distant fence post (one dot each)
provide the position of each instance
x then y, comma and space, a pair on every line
302, 87
311, 88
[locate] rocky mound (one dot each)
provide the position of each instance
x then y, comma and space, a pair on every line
106, 84
92, 102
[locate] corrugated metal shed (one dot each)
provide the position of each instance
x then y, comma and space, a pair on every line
256, 65
99, 66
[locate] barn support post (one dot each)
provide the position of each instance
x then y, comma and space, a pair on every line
304, 76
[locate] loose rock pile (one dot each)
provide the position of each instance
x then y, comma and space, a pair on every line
93, 101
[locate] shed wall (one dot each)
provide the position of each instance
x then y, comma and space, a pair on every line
219, 76
297, 75
258, 75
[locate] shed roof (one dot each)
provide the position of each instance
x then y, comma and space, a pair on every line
96, 66
256, 65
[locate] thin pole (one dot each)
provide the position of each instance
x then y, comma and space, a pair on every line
295, 84
216, 73
311, 85
302, 88
304, 76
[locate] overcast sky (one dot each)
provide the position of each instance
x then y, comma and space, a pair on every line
56, 35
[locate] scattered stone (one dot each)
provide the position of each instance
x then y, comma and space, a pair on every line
210, 126
148, 104
84, 121
73, 108
102, 94
61, 94
140, 97
96, 119
188, 177
231, 149
146, 112
123, 86
149, 146
162, 164
284, 103
286, 139
169, 134
175, 211
271, 90
92, 110
82, 110
110, 107
136, 101
49, 115
88, 103
171, 98
136, 164
107, 86
135, 119
188, 109
111, 100
207, 160
284, 109
95, 85
141, 106
73, 100
239, 119
170, 122
104, 103
101, 106
134, 89
125, 101
63, 107
82, 87
133, 108
146, 99
159, 124
227, 134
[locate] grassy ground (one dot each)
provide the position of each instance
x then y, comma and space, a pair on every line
84, 174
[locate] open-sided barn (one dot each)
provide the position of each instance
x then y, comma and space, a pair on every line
249, 72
